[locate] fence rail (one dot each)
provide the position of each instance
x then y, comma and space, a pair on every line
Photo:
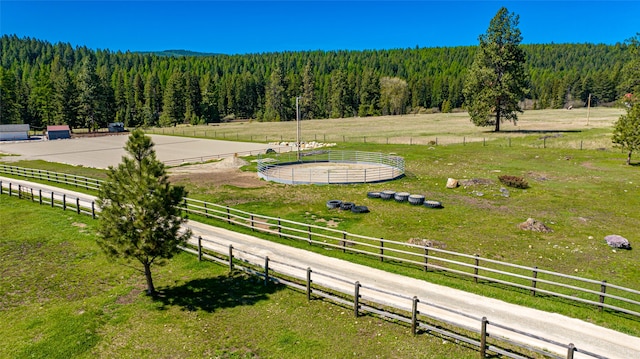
340, 167
78, 181
419, 314
550, 139
535, 281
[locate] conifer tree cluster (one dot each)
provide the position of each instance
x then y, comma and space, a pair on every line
43, 83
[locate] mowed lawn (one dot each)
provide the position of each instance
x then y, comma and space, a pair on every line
60, 297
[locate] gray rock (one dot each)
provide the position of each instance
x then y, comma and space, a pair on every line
505, 192
616, 241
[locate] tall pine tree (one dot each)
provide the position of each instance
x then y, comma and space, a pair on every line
497, 80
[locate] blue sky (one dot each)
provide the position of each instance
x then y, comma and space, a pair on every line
238, 27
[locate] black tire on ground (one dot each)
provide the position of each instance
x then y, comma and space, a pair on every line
401, 196
346, 206
334, 203
360, 209
433, 204
387, 194
416, 199
373, 194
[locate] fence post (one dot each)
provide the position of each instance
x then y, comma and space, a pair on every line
279, 228
64, 201
534, 282
93, 210
266, 271
414, 315
31, 194
9, 189
426, 258
475, 269
309, 233
228, 216
571, 349
230, 258
544, 142
251, 219
52, 199
381, 249
39, 194
603, 290
308, 283
78, 205
344, 241
356, 299
206, 210
199, 248
483, 338
20, 191
1, 187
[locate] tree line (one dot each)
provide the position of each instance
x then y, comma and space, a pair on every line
43, 83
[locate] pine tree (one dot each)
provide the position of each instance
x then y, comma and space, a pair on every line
65, 99
626, 132
9, 107
152, 100
308, 93
88, 93
173, 101
210, 101
497, 80
140, 215
274, 97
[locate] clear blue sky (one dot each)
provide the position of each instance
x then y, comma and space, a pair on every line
238, 27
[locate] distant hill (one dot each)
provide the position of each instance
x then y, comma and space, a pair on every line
176, 53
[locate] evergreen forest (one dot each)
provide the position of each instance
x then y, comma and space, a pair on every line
43, 83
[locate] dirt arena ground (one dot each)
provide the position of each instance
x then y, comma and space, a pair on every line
102, 152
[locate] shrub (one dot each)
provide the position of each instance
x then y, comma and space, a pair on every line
513, 181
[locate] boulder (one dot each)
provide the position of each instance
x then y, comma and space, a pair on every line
616, 241
452, 183
534, 225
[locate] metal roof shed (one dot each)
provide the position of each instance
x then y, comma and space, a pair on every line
58, 132
15, 132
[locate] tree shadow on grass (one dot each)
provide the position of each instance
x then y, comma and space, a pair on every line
219, 292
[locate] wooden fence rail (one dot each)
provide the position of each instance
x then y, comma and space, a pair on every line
415, 313
536, 281
429, 258
488, 336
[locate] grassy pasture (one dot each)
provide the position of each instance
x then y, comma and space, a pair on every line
445, 128
60, 297
582, 194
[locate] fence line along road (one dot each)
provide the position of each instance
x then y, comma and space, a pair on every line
509, 330
536, 281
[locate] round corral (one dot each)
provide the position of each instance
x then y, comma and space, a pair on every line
330, 167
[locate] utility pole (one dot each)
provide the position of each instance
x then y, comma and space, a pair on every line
588, 108
298, 126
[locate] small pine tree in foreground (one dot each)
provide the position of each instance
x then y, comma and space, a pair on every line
140, 216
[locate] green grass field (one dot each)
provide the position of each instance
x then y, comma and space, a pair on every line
60, 297
582, 194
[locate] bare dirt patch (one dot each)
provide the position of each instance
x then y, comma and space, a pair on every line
215, 174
